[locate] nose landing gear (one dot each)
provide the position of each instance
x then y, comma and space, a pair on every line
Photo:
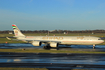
93, 46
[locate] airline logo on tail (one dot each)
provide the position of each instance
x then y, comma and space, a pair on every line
14, 26
17, 32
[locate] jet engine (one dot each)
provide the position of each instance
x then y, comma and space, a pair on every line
36, 43
53, 44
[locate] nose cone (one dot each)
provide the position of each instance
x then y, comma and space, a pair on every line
102, 41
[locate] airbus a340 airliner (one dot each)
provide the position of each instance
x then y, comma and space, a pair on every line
54, 41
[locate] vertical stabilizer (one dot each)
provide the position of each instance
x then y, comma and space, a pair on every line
17, 32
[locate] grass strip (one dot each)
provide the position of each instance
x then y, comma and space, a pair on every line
10, 68
48, 51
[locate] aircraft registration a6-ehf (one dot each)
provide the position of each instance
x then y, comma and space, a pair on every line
54, 41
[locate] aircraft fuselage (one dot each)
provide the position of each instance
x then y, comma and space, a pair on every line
67, 40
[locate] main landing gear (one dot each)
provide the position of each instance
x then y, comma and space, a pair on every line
46, 46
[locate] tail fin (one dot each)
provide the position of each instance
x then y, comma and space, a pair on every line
17, 32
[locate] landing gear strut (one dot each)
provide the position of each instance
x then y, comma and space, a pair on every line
94, 46
46, 47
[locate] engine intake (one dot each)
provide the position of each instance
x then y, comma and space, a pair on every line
36, 43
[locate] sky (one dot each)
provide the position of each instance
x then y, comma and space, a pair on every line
52, 14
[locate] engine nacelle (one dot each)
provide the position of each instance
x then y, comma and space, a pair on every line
36, 43
53, 44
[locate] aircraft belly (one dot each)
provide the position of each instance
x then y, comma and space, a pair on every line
80, 42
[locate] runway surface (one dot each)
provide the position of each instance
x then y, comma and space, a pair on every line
27, 45
52, 61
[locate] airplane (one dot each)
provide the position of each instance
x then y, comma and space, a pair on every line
54, 41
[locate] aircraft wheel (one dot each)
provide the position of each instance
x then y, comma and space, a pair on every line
46, 47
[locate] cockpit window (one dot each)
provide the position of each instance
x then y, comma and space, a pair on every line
99, 39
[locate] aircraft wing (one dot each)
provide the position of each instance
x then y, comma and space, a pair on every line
43, 41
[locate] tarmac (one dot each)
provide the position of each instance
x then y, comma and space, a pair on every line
53, 61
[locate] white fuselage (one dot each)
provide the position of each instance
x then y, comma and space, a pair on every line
67, 40
54, 41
